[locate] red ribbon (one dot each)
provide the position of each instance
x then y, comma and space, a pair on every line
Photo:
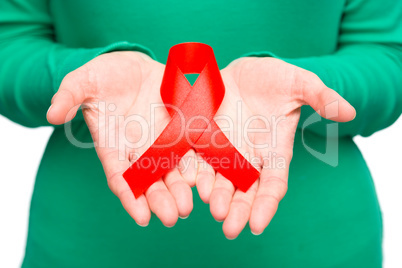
196, 107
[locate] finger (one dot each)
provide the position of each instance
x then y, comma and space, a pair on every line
69, 97
205, 180
221, 196
188, 167
137, 207
271, 189
239, 212
325, 101
181, 192
162, 203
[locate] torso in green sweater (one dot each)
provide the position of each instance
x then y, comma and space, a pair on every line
330, 215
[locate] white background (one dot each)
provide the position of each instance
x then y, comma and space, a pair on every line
21, 150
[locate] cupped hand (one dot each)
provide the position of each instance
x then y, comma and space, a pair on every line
117, 92
263, 96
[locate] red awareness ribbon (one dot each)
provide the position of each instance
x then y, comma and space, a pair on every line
196, 104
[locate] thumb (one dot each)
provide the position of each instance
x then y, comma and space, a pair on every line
68, 99
325, 101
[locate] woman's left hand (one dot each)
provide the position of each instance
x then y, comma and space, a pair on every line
268, 94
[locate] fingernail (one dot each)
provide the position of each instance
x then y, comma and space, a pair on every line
49, 109
143, 225
183, 218
255, 233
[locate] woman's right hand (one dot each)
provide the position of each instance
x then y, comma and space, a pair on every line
116, 92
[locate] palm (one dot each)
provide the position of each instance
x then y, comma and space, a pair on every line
268, 94
267, 104
117, 91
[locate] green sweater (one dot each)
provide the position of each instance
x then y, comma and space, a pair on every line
330, 215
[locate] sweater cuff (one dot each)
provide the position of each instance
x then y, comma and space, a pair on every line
309, 64
73, 58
